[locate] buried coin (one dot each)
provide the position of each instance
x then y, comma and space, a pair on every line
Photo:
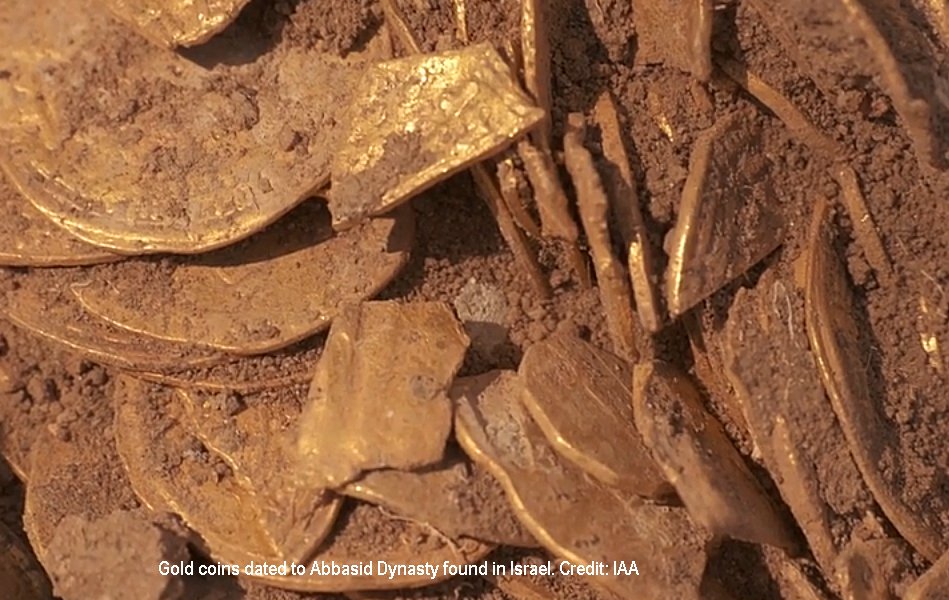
455, 498
424, 118
775, 377
251, 434
271, 290
209, 155
730, 214
379, 395
696, 455
835, 339
176, 23
574, 516
580, 397
676, 34
21, 577
41, 302
29, 239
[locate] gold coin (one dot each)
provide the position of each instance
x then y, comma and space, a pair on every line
29, 239
272, 290
835, 339
424, 118
575, 517
169, 154
730, 215
41, 302
696, 455
21, 577
379, 395
176, 23
580, 397
675, 34
456, 498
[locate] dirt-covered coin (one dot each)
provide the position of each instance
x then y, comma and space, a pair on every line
424, 118
580, 397
176, 23
29, 239
933, 584
41, 301
574, 516
214, 146
456, 498
835, 338
265, 293
696, 455
730, 217
379, 395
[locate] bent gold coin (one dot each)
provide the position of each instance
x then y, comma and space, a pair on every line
21, 577
424, 118
274, 289
208, 155
835, 339
770, 367
176, 23
581, 399
696, 455
575, 517
730, 214
253, 436
454, 497
40, 301
379, 395
29, 239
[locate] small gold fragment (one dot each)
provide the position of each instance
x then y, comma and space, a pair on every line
21, 577
868, 235
512, 197
624, 200
454, 498
272, 290
535, 52
426, 118
835, 339
29, 239
580, 397
179, 22
594, 208
461, 20
254, 440
933, 584
575, 517
378, 398
927, 324
728, 219
697, 457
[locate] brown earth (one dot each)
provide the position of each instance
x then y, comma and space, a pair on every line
460, 258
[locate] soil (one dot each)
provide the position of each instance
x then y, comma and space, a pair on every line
61, 404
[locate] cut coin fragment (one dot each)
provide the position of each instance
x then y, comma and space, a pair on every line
379, 395
21, 577
426, 118
730, 214
835, 339
176, 23
29, 239
575, 517
251, 435
696, 455
454, 497
580, 397
273, 289
40, 301
231, 149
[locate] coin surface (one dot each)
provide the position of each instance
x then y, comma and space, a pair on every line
233, 137
379, 395
29, 239
265, 293
177, 23
575, 517
730, 214
425, 118
580, 397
